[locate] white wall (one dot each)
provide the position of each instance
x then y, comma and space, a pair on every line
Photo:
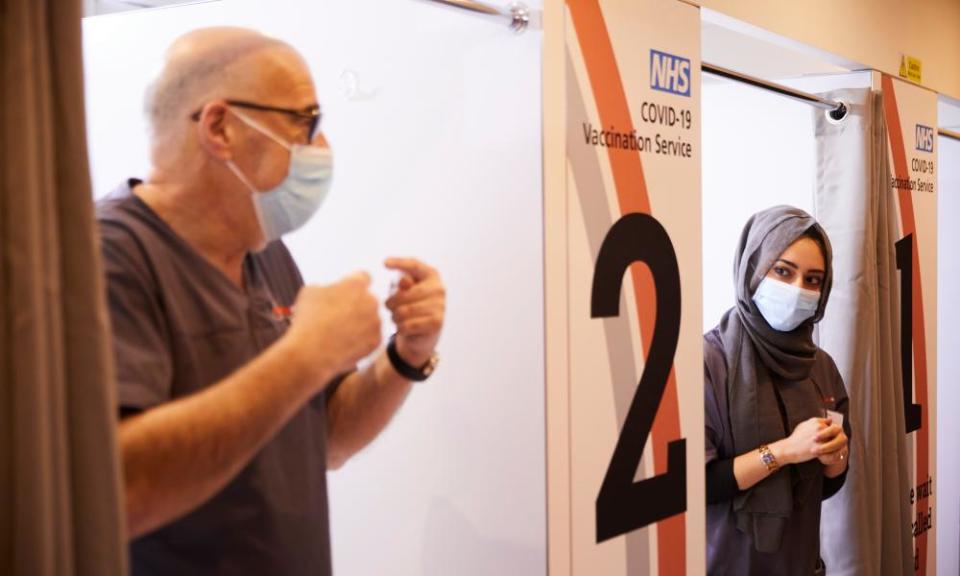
947, 516
758, 151
434, 116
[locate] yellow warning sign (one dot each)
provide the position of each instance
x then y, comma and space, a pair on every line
911, 68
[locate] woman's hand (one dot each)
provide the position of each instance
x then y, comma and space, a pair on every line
813, 438
833, 447
834, 452
807, 441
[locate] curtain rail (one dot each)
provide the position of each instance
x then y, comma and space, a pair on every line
519, 16
949, 134
835, 108
517, 13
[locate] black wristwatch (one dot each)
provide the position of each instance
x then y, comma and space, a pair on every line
407, 371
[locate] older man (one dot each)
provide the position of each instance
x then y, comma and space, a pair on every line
237, 384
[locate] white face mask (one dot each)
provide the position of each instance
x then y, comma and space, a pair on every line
295, 200
785, 306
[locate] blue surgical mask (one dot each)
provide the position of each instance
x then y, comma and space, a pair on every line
785, 306
291, 203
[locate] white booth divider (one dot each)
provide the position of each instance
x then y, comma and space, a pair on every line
948, 371
434, 115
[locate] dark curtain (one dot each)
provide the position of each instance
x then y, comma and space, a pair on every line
60, 504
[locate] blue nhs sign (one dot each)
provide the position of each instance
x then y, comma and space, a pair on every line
924, 138
669, 73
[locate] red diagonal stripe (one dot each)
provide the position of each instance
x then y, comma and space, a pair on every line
611, 98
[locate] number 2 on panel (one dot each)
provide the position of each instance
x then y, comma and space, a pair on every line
622, 504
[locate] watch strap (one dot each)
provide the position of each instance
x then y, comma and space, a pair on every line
406, 370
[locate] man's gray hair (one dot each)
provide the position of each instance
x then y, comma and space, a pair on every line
200, 66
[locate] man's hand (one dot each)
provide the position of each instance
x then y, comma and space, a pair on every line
367, 399
417, 308
336, 326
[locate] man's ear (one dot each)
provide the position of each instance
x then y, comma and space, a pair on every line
214, 133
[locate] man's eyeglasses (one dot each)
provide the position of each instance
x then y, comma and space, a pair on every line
310, 113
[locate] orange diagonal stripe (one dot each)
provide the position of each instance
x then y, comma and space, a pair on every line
608, 91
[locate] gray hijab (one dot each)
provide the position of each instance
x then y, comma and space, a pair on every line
768, 372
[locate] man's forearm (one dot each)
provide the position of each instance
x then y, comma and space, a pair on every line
362, 407
179, 454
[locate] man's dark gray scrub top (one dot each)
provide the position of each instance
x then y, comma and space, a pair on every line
179, 325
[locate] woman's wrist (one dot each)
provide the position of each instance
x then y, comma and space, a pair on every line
780, 451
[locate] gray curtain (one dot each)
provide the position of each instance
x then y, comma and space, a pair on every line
866, 527
60, 505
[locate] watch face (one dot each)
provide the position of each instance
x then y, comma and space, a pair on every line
766, 456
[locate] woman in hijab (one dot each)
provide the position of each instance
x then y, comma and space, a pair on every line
776, 407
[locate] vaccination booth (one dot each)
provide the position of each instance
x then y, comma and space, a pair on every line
580, 172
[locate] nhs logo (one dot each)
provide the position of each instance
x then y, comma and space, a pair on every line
924, 138
669, 73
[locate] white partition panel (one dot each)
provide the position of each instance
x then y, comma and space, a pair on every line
948, 371
434, 116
